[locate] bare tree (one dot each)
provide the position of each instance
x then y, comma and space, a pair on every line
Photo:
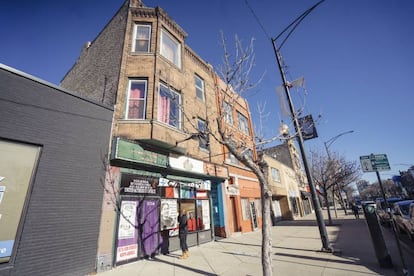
331, 172
233, 83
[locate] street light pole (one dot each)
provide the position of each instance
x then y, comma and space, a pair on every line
326, 247
327, 145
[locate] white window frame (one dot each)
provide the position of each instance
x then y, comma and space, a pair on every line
140, 99
275, 174
228, 113
135, 39
171, 93
170, 48
199, 87
243, 123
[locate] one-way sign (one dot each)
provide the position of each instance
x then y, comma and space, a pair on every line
374, 162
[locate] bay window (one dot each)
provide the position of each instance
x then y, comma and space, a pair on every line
170, 48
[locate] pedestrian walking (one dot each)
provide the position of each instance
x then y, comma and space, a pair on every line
356, 210
182, 232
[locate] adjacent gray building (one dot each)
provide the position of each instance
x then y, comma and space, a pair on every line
53, 145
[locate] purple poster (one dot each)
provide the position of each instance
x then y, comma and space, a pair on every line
150, 225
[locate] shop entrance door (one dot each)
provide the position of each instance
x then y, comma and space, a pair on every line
149, 227
236, 227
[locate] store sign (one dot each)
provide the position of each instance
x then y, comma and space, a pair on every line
187, 164
135, 184
129, 151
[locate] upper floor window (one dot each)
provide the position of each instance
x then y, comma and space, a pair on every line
228, 113
275, 174
142, 38
137, 97
199, 87
203, 139
243, 123
169, 102
170, 48
232, 158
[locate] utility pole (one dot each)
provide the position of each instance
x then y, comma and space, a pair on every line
326, 247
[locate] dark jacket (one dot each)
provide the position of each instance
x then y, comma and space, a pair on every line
182, 220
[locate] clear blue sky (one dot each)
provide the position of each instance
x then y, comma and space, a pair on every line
357, 57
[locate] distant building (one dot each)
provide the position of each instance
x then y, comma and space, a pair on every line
300, 201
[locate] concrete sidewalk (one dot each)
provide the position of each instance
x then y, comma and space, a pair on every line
296, 251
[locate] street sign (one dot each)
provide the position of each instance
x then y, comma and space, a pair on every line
374, 162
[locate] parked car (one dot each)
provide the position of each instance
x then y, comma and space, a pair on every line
403, 216
384, 214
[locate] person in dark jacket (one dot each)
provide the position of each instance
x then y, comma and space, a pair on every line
182, 232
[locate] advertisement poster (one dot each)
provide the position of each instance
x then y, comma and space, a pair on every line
127, 232
206, 214
169, 214
17, 165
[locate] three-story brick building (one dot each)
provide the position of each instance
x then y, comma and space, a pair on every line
162, 158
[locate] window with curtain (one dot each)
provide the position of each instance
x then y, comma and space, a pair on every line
137, 96
169, 106
142, 38
170, 48
199, 87
228, 113
243, 123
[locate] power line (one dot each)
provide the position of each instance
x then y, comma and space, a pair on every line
257, 19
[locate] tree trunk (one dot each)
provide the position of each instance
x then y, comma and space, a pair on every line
266, 230
325, 196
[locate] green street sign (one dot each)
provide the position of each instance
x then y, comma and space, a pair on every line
374, 162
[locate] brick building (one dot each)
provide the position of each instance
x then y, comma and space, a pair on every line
162, 158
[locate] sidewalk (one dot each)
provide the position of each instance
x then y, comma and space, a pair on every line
296, 251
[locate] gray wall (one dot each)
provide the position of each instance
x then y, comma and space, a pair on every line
60, 225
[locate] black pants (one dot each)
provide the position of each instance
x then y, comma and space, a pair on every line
183, 241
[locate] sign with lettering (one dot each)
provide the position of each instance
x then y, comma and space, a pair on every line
187, 164
374, 162
135, 184
129, 151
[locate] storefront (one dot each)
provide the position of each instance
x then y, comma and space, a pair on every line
153, 190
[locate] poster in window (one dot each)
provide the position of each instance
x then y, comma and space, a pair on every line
127, 244
127, 220
17, 164
206, 214
169, 214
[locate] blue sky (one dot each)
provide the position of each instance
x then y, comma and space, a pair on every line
356, 56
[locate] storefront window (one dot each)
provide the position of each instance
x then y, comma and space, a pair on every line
17, 166
188, 206
245, 208
203, 214
187, 190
